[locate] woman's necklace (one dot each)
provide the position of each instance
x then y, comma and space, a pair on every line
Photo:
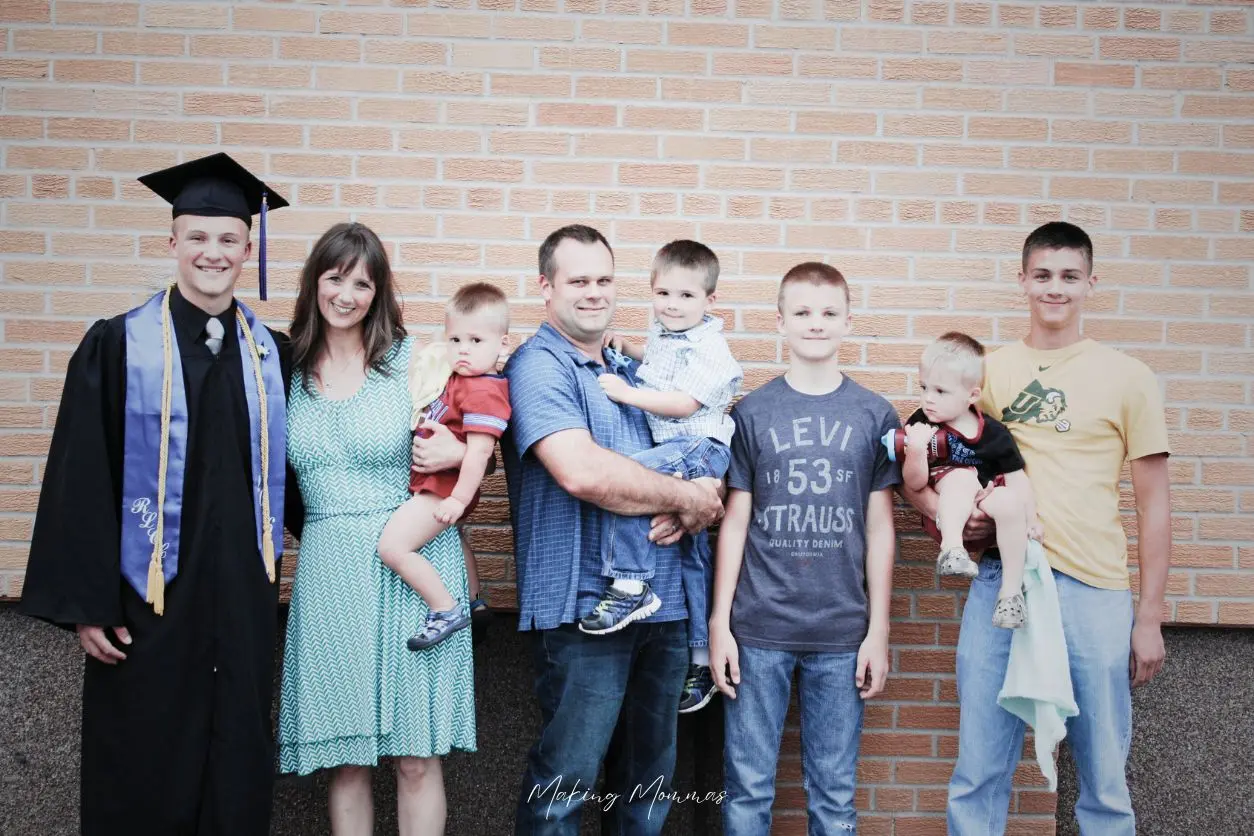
340, 370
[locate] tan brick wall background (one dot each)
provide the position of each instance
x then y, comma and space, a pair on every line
913, 144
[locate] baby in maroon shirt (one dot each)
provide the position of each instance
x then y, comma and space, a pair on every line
474, 405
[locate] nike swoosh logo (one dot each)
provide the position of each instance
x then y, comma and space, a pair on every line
1042, 368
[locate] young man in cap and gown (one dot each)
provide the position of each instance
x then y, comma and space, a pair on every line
160, 524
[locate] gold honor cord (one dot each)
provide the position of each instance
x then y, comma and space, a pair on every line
156, 576
267, 527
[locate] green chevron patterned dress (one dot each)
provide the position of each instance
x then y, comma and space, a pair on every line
352, 692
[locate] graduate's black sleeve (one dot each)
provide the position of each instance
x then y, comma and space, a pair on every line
74, 573
293, 503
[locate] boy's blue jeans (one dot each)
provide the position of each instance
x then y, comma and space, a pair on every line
611, 698
625, 548
831, 725
1097, 624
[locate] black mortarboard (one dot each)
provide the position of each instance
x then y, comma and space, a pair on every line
218, 187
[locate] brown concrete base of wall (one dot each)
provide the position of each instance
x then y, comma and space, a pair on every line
1190, 769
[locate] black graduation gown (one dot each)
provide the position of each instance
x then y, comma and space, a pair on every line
177, 738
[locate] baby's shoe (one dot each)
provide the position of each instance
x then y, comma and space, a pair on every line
1011, 612
957, 563
480, 618
439, 626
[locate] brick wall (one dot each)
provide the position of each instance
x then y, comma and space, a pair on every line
911, 143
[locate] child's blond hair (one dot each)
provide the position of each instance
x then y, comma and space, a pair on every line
481, 296
959, 352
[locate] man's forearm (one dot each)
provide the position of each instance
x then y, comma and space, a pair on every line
632, 490
591, 473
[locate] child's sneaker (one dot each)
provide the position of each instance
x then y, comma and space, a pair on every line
1011, 612
698, 689
480, 618
440, 625
957, 563
618, 609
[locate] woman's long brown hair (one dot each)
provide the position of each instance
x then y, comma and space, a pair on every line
342, 248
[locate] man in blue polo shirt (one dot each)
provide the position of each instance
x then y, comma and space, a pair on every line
566, 458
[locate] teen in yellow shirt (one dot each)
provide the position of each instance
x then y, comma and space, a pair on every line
1077, 410
1077, 413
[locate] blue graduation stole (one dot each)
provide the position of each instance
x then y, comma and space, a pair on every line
155, 444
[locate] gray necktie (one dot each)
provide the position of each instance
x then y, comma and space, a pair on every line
214, 332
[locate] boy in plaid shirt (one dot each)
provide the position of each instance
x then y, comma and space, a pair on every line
689, 378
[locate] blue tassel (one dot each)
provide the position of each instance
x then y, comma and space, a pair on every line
261, 259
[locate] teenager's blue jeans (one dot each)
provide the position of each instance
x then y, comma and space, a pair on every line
1097, 624
831, 725
613, 698
625, 548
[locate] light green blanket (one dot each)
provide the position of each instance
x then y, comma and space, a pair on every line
1038, 676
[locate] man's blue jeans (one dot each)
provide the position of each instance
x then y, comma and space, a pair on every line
625, 548
613, 698
831, 725
1097, 624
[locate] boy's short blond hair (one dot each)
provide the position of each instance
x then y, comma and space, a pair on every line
959, 352
690, 255
815, 273
481, 296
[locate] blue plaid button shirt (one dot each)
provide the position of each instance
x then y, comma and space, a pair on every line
699, 363
557, 538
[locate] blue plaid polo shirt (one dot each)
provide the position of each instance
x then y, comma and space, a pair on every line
557, 538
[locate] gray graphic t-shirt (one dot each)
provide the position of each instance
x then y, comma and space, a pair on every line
811, 463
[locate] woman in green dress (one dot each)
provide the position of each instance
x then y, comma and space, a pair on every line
352, 692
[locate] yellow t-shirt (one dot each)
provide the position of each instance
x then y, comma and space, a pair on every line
1077, 413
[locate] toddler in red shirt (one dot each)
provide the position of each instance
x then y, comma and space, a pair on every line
474, 405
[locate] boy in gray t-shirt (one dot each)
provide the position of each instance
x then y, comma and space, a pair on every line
804, 565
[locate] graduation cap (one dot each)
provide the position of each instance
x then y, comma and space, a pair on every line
218, 187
